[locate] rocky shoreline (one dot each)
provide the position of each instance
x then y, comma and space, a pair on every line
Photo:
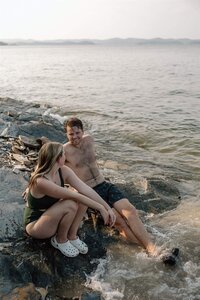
32, 269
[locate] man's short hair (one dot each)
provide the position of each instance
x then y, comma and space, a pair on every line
73, 122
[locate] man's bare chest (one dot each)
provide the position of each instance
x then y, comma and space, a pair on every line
82, 157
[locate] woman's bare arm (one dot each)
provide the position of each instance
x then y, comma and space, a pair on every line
84, 189
46, 187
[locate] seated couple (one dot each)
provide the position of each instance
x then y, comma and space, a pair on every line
55, 212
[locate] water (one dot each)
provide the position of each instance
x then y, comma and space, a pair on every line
141, 104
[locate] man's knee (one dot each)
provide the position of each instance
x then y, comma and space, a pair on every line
120, 223
127, 209
132, 211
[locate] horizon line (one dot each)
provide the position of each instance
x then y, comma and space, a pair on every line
115, 37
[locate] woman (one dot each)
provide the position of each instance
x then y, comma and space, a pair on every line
54, 211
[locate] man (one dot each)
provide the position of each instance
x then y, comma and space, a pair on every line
80, 157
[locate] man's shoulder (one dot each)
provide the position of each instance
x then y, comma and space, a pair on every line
87, 141
88, 137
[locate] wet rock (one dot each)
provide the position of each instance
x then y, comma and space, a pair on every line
91, 296
29, 266
8, 103
29, 260
12, 113
48, 119
26, 260
37, 130
20, 158
109, 164
23, 293
18, 168
29, 142
17, 148
30, 115
11, 204
158, 195
42, 140
31, 120
9, 130
23, 129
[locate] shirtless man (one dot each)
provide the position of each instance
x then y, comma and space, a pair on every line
80, 157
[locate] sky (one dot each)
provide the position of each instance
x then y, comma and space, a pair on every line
99, 19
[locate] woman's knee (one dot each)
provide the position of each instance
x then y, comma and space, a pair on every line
69, 206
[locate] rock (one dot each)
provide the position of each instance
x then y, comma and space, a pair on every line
161, 195
17, 149
11, 204
12, 113
30, 115
42, 140
29, 142
38, 130
29, 266
23, 293
20, 158
109, 164
30, 120
18, 168
29, 260
91, 296
158, 195
9, 131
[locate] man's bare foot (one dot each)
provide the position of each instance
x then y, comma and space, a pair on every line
152, 250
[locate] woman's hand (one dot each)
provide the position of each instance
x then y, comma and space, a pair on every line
108, 216
112, 217
105, 215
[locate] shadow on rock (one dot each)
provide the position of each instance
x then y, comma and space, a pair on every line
28, 260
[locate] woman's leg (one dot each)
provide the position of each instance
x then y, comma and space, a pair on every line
57, 219
72, 234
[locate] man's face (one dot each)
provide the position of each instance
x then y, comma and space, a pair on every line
74, 135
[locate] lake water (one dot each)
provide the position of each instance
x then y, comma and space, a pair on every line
141, 104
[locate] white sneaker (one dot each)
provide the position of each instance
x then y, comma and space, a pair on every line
65, 248
80, 245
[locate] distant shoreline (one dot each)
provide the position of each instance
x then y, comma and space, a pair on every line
3, 44
112, 41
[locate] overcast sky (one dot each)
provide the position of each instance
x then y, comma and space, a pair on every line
78, 19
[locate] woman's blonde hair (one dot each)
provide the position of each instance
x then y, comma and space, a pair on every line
48, 156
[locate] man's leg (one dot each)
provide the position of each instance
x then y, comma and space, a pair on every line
123, 228
129, 212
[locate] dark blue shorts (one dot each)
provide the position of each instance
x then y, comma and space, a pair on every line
109, 192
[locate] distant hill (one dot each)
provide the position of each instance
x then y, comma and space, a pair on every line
3, 44
154, 41
112, 41
48, 42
